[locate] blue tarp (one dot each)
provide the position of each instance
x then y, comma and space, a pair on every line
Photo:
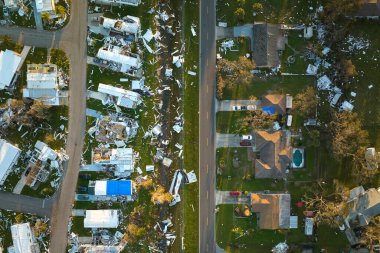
268, 110
118, 188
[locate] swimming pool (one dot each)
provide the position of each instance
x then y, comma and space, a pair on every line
298, 158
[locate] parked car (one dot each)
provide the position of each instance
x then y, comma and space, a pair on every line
84, 176
251, 107
27, 171
83, 197
234, 193
243, 108
236, 108
245, 143
246, 137
5, 12
82, 189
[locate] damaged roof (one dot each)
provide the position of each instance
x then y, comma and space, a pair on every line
267, 41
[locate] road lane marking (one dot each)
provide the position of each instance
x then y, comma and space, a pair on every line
207, 221
207, 36
206, 115
207, 195
207, 168
207, 87
207, 141
207, 10
207, 62
43, 203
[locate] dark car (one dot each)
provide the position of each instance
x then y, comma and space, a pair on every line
27, 171
5, 12
243, 108
245, 143
82, 197
82, 189
84, 176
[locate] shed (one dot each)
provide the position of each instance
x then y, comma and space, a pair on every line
309, 225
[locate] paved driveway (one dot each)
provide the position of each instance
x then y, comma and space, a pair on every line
223, 197
227, 140
226, 105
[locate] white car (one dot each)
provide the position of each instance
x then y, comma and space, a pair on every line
236, 108
251, 107
246, 137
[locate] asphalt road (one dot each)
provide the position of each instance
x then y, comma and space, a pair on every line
207, 127
25, 204
72, 39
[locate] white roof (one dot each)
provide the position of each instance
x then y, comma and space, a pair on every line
347, 106
131, 25
10, 3
46, 152
114, 54
44, 5
309, 223
8, 156
324, 83
23, 239
126, 98
37, 78
9, 62
100, 188
101, 219
311, 69
293, 222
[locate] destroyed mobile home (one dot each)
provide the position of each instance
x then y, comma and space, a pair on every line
112, 128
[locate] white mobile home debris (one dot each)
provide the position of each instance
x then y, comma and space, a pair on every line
121, 97
121, 60
118, 2
122, 158
9, 155
128, 25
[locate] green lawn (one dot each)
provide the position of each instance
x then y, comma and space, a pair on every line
260, 86
229, 122
274, 11
241, 48
256, 239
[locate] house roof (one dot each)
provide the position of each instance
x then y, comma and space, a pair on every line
116, 54
8, 155
42, 76
363, 205
277, 101
101, 219
267, 40
23, 239
274, 154
370, 8
45, 5
9, 62
273, 210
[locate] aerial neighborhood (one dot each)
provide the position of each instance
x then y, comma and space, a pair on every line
189, 126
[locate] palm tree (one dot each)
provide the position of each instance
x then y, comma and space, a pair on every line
45, 17
60, 10
6, 40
